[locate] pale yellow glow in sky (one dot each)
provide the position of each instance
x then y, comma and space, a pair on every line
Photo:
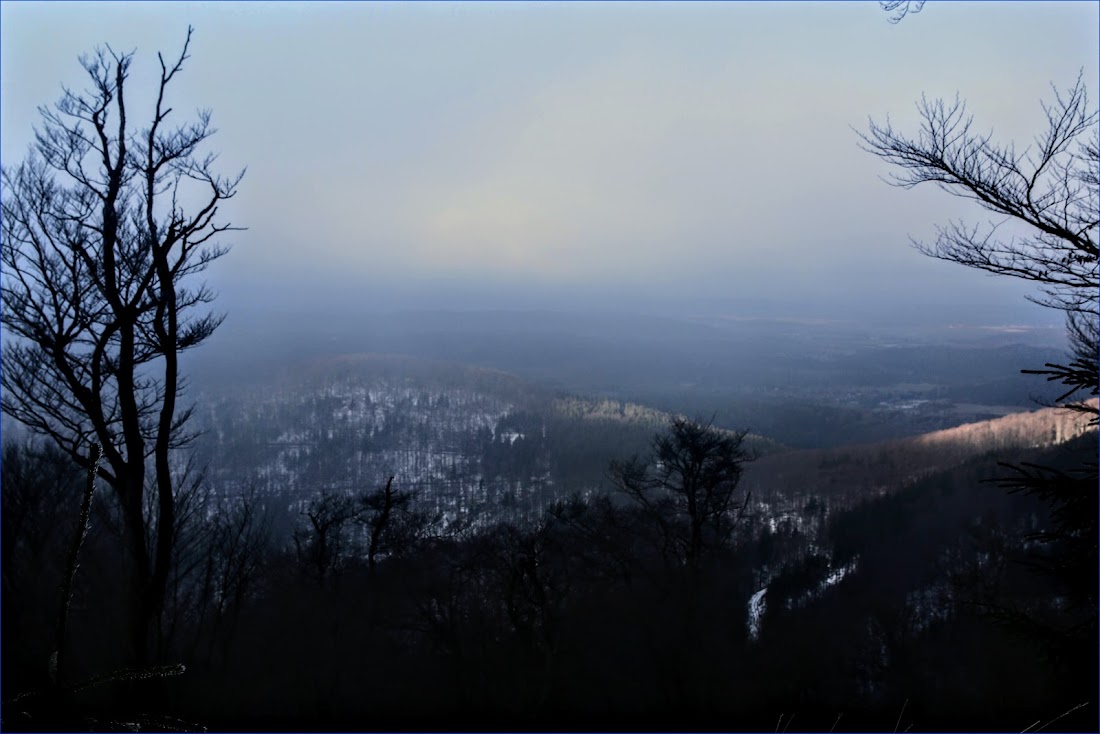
689, 143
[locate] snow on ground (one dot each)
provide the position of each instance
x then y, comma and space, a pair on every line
757, 606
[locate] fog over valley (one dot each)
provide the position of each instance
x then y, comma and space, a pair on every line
728, 360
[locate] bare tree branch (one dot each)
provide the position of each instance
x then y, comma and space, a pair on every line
901, 8
1051, 188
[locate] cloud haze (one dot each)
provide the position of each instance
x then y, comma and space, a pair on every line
703, 149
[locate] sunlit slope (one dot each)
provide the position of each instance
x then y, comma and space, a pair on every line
880, 467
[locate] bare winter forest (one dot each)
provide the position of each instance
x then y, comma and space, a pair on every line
549, 367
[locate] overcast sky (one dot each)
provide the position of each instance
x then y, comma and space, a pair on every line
702, 150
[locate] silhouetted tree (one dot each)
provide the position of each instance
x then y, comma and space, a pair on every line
41, 498
324, 542
222, 553
58, 706
97, 251
393, 524
687, 486
1051, 188
381, 506
1067, 556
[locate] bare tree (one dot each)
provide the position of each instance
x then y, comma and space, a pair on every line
688, 485
104, 226
1050, 191
325, 545
1049, 187
221, 550
380, 506
392, 523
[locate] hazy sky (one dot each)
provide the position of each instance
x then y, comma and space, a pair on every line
702, 150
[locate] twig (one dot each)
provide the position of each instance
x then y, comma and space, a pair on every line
1067, 713
835, 722
778, 723
125, 674
153, 722
788, 724
57, 660
900, 715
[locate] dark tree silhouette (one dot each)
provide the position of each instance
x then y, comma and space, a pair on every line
381, 506
221, 558
687, 487
1049, 187
372, 525
104, 226
392, 524
324, 543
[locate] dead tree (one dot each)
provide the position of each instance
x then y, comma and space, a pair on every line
105, 226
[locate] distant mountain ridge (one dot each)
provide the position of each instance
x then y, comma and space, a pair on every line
519, 392
804, 384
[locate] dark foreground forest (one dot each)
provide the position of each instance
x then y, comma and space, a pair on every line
932, 606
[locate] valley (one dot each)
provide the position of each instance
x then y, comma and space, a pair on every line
482, 445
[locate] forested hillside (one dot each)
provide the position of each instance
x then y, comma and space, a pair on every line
472, 442
467, 441
850, 474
